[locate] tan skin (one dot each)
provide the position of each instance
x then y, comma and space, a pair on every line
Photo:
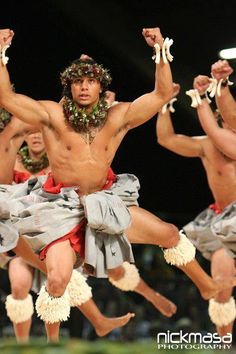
36, 151
75, 162
20, 273
221, 176
11, 139
225, 102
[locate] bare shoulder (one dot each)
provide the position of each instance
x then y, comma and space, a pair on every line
118, 110
50, 105
55, 111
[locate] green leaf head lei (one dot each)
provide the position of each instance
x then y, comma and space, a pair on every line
79, 118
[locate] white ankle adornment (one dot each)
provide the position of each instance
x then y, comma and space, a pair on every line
78, 289
222, 313
52, 309
19, 310
183, 253
130, 279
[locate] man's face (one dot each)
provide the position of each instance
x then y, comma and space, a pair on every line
85, 91
35, 142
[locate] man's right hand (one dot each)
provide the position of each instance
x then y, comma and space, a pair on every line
6, 36
221, 70
153, 36
201, 83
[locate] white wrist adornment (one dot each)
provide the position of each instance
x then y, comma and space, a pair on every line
3, 56
164, 51
195, 96
169, 106
215, 86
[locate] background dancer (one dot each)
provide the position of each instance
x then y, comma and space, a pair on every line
220, 172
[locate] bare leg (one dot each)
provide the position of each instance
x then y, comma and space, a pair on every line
149, 229
161, 303
21, 276
223, 267
59, 261
23, 250
102, 325
165, 306
53, 331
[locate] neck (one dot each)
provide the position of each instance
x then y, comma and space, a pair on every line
36, 156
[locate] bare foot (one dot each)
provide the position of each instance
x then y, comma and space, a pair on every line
165, 306
216, 286
108, 324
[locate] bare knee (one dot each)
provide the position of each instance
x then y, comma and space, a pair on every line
57, 283
223, 296
116, 273
20, 290
173, 236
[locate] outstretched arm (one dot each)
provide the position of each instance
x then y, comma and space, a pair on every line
21, 106
225, 102
146, 106
224, 139
178, 143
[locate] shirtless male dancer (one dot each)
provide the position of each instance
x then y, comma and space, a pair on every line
19, 304
32, 161
221, 173
81, 139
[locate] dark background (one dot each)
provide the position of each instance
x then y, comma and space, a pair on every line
51, 33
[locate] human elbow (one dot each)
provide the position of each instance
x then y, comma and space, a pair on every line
161, 140
165, 95
4, 99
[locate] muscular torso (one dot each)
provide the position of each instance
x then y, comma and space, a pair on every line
73, 160
221, 174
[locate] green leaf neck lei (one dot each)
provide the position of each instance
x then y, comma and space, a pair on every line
5, 118
31, 165
80, 119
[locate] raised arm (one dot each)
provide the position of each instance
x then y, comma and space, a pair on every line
225, 102
146, 106
178, 143
23, 107
224, 139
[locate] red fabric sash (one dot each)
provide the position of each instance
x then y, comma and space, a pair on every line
77, 234
215, 208
21, 177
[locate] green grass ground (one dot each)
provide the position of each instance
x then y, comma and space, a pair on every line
97, 347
